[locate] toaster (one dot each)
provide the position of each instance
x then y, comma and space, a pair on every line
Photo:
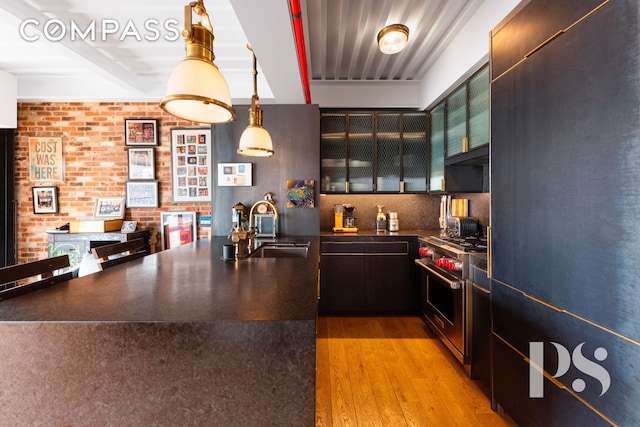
461, 226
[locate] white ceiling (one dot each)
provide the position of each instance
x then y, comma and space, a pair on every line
340, 40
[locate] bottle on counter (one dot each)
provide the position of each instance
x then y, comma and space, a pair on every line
394, 225
381, 219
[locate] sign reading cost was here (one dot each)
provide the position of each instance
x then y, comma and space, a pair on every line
46, 163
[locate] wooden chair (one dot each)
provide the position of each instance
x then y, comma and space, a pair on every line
124, 251
153, 241
22, 278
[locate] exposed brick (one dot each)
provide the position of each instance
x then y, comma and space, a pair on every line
96, 164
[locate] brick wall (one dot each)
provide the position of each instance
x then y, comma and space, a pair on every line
95, 158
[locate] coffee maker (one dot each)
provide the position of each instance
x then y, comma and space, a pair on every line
344, 220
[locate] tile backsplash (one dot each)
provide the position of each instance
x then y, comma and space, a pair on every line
415, 211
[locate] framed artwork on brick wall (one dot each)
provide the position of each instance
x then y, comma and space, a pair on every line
142, 194
141, 131
190, 164
142, 163
46, 162
45, 199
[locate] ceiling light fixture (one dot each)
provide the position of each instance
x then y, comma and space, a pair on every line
255, 140
196, 89
393, 38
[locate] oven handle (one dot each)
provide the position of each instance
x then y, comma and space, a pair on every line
430, 266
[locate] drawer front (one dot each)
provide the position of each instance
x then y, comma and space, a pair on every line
388, 248
341, 248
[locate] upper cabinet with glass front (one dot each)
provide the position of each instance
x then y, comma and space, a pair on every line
459, 137
467, 119
375, 151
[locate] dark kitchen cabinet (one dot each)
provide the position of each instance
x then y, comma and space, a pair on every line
342, 281
436, 148
457, 121
481, 329
564, 154
459, 138
367, 278
7, 198
373, 151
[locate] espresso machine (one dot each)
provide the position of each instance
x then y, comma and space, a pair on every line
344, 220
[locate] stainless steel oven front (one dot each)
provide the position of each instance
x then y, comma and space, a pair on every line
443, 307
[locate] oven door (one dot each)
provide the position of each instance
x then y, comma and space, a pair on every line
443, 305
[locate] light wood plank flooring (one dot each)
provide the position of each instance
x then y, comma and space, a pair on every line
387, 371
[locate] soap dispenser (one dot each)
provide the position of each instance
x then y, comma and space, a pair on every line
381, 219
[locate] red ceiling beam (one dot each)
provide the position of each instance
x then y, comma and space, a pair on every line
298, 29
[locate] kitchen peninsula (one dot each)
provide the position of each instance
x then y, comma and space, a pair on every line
180, 337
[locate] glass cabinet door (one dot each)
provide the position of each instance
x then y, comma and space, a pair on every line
373, 151
360, 153
456, 121
479, 109
333, 146
436, 171
388, 152
414, 152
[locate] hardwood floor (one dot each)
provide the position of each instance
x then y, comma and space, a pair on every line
387, 371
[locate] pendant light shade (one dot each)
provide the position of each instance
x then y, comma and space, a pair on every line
255, 140
393, 38
196, 89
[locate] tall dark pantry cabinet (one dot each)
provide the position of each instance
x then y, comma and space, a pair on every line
7, 198
565, 222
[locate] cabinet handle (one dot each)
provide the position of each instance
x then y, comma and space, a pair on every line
442, 184
402, 186
346, 186
489, 258
465, 144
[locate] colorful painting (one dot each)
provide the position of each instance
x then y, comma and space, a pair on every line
301, 193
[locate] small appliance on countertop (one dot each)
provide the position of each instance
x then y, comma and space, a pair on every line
461, 226
344, 221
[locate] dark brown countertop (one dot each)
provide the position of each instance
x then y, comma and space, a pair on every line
188, 283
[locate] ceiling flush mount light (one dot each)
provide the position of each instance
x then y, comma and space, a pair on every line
255, 140
196, 89
393, 38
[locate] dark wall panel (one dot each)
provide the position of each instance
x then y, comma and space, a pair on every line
520, 320
295, 131
565, 175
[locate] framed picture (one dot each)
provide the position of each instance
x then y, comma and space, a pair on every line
142, 194
141, 131
45, 199
190, 164
128, 226
142, 163
178, 228
234, 174
46, 161
109, 208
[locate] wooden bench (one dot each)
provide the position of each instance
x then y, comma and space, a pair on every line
22, 278
122, 252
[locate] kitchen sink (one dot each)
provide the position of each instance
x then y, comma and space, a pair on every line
281, 250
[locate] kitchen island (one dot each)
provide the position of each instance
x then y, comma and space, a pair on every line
180, 337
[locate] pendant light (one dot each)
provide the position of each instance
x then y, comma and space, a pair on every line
393, 38
255, 140
196, 89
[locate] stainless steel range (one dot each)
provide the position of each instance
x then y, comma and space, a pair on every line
445, 290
